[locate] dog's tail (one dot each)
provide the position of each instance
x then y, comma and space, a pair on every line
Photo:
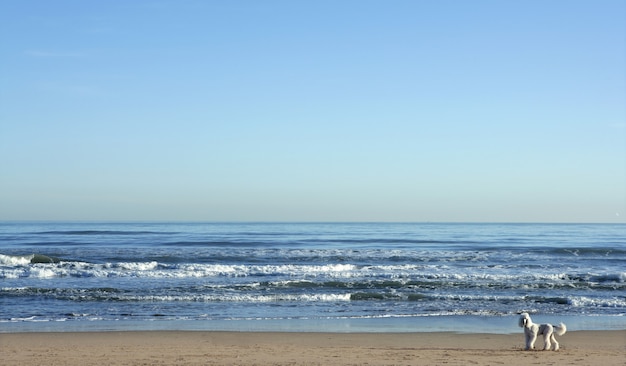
560, 329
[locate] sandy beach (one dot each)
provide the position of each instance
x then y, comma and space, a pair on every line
276, 348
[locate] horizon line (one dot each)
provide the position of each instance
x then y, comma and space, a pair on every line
109, 221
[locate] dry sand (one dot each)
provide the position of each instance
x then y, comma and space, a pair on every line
604, 348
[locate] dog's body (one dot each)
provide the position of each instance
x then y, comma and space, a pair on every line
532, 330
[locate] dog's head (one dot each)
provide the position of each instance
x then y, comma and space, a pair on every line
524, 319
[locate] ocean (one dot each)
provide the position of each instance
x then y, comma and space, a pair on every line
336, 277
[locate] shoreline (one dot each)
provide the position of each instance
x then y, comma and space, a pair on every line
304, 348
392, 324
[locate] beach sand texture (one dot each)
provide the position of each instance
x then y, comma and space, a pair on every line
604, 348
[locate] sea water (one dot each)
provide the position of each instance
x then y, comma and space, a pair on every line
341, 277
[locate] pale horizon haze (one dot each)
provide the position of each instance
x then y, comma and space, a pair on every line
411, 111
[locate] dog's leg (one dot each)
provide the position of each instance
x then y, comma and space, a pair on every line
556, 344
532, 337
528, 338
546, 340
547, 334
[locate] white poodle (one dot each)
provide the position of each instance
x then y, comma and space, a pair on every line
532, 330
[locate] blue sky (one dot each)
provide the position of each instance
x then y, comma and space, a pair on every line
492, 111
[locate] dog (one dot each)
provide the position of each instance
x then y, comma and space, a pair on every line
532, 330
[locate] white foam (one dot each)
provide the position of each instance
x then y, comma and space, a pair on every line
246, 298
43, 272
584, 301
139, 266
12, 260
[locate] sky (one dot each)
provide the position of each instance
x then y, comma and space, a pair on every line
350, 110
